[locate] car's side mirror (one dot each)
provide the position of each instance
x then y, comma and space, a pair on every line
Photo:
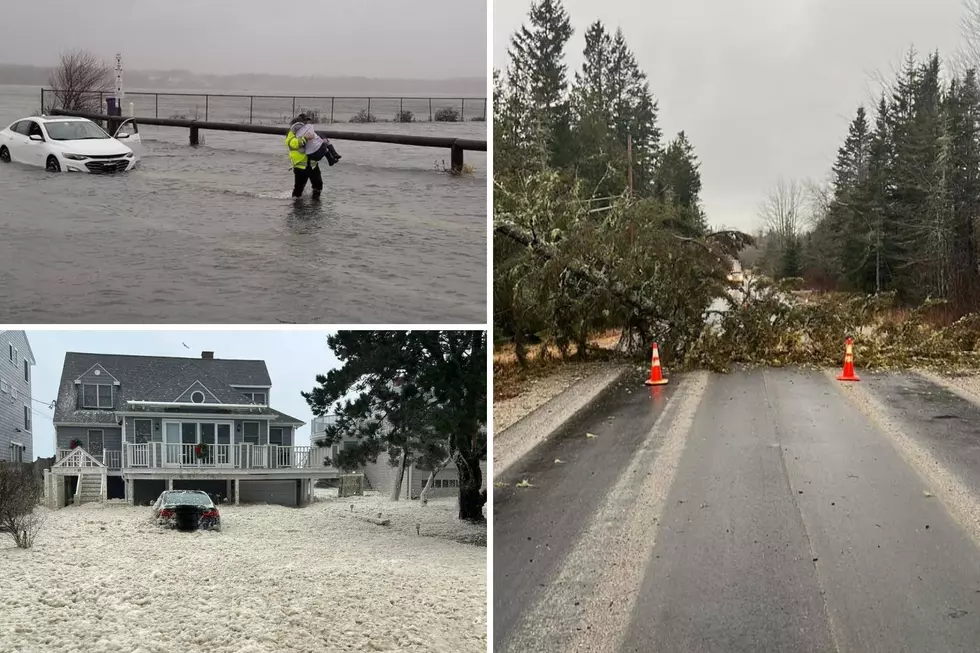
122, 135
37, 137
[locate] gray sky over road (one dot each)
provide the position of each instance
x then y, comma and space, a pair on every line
763, 88
431, 39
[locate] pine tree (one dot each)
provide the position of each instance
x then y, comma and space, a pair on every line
678, 182
612, 105
537, 78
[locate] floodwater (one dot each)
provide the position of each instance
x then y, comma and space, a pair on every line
211, 234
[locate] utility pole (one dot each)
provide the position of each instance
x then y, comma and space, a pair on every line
629, 182
629, 163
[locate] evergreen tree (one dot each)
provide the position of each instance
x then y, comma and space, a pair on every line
416, 394
611, 105
678, 182
537, 78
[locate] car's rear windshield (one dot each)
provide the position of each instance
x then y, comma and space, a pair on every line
74, 130
186, 498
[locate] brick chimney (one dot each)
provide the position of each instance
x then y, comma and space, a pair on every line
207, 355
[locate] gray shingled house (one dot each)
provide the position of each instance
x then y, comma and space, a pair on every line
16, 416
381, 474
129, 427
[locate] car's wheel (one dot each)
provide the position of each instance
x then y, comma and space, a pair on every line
52, 165
4, 154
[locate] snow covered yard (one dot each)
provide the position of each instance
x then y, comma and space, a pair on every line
275, 579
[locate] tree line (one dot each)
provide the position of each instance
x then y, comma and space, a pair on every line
598, 220
902, 211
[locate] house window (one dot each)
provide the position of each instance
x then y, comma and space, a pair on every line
17, 452
4, 386
275, 436
144, 430
197, 397
27, 370
256, 397
96, 396
250, 432
27, 418
11, 347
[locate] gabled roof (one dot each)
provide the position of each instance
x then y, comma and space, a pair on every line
153, 378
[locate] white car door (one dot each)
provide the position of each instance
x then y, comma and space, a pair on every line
129, 135
18, 141
36, 151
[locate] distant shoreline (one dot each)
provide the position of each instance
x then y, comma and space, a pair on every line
263, 84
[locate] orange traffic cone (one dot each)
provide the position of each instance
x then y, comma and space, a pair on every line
848, 373
656, 376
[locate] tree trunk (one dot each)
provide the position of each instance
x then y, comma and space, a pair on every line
432, 476
471, 499
396, 491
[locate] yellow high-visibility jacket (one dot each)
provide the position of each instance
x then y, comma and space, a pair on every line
297, 155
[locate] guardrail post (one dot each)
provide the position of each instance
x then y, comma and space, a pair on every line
207, 105
369, 108
195, 135
456, 156
251, 103
332, 100
430, 109
462, 110
156, 106
294, 111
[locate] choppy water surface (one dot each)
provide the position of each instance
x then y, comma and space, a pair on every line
211, 235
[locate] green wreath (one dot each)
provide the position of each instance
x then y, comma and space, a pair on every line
201, 450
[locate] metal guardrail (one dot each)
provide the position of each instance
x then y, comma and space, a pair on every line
279, 109
456, 145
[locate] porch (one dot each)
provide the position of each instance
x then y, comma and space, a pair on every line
245, 456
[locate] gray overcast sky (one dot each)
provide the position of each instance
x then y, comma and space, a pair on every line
431, 39
294, 358
763, 88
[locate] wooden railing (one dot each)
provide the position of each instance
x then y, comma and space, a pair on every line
112, 459
226, 456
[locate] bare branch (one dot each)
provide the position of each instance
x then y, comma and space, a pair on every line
80, 81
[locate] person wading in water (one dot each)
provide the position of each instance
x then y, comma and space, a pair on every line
304, 169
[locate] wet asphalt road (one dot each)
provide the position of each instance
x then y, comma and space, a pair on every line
787, 519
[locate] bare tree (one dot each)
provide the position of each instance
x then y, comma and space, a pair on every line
20, 493
783, 210
79, 81
968, 55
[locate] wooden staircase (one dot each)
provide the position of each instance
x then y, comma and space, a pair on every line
91, 486
92, 475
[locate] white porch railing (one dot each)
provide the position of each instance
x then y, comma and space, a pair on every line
226, 456
77, 457
112, 459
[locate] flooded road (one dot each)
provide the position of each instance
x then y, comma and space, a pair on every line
211, 234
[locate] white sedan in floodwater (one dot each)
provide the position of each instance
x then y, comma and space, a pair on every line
66, 144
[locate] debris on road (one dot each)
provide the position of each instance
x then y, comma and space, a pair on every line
524, 483
591, 435
559, 461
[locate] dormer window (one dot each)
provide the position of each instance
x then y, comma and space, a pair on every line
197, 397
256, 397
96, 395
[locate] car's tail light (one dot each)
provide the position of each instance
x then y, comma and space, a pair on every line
210, 514
165, 514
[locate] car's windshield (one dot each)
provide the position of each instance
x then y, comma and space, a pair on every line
186, 498
74, 130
